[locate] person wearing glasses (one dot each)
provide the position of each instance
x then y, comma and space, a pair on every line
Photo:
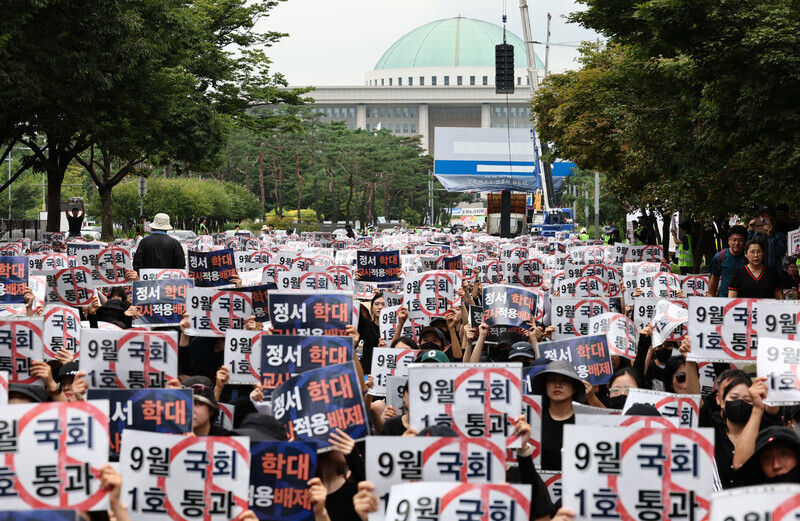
725, 263
620, 385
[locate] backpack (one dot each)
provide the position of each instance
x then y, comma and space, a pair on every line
720, 257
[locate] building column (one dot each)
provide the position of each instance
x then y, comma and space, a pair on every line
422, 125
361, 116
486, 116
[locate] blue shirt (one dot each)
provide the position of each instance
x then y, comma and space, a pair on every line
730, 264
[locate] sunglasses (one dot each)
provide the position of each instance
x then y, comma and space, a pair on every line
197, 388
680, 377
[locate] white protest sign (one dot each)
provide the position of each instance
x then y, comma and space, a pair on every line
175, 477
161, 274
778, 318
387, 362
53, 453
793, 242
570, 316
666, 285
427, 501
3, 387
761, 503
243, 355
432, 294
666, 317
623, 420
552, 480
621, 332
428, 459
475, 400
723, 329
112, 264
21, 342
608, 471
695, 285
395, 388
62, 330
212, 312
128, 359
71, 286
645, 308
683, 406
779, 361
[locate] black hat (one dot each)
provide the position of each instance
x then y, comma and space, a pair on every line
203, 389
642, 409
522, 349
70, 369
435, 330
438, 431
766, 208
766, 438
564, 368
509, 338
261, 427
35, 393
113, 309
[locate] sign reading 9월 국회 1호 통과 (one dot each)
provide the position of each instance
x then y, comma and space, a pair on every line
21, 342
315, 403
475, 400
638, 473
128, 359
165, 476
51, 454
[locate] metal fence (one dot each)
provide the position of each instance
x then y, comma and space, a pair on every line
13, 229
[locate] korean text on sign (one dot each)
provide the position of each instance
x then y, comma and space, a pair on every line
589, 355
279, 472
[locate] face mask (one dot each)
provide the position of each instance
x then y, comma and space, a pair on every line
796, 427
738, 411
663, 355
617, 402
427, 346
793, 476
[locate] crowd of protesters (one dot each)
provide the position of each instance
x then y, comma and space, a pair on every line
754, 443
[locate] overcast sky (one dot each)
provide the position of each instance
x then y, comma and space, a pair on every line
334, 42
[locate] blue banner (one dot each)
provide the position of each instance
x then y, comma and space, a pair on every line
13, 279
152, 410
378, 266
451, 263
279, 471
213, 268
320, 313
260, 299
313, 404
508, 306
589, 355
160, 302
283, 356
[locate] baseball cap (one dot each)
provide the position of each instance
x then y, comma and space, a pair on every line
522, 349
35, 393
70, 369
203, 390
434, 330
433, 356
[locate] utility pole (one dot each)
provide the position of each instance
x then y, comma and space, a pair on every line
547, 48
586, 207
596, 205
430, 198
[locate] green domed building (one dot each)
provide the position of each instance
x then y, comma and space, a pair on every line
438, 75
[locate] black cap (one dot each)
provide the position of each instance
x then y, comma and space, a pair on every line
35, 393
434, 330
438, 431
70, 369
642, 409
203, 390
766, 208
522, 349
766, 438
509, 338
261, 427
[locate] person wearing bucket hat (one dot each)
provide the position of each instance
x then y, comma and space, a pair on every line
559, 385
24, 393
776, 452
205, 406
159, 250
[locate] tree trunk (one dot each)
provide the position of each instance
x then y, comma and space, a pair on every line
387, 209
261, 177
349, 199
362, 206
316, 201
299, 190
55, 176
665, 235
106, 212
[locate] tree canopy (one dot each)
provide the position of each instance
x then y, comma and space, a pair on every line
690, 105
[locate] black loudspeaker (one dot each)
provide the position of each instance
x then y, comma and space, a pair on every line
504, 68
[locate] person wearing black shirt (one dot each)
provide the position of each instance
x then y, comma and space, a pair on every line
559, 385
159, 250
755, 279
75, 220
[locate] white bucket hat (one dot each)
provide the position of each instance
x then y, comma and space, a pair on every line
160, 222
